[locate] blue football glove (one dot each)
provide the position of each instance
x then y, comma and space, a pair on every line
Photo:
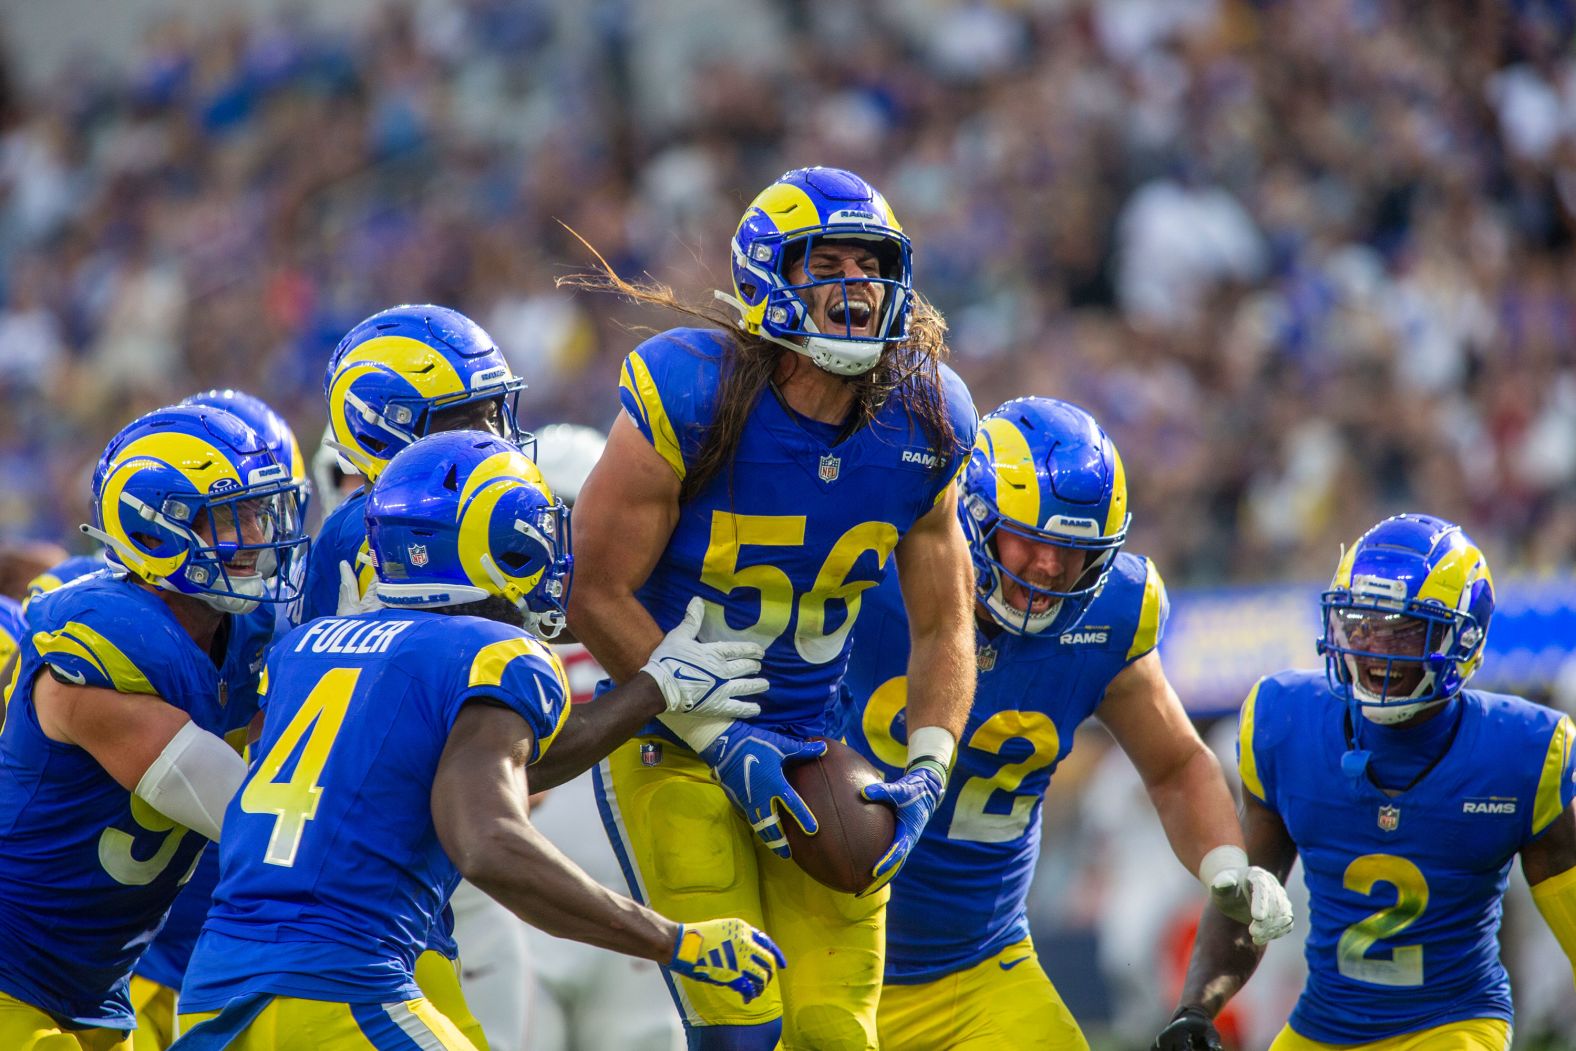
748, 761
729, 953
915, 797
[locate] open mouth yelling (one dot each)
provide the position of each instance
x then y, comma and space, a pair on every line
852, 316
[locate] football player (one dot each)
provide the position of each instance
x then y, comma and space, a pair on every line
394, 758
1407, 796
400, 374
581, 996
1067, 626
12, 625
773, 465
113, 767
157, 977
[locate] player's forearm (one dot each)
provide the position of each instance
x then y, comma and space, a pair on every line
1195, 808
596, 728
1224, 958
615, 627
941, 676
525, 873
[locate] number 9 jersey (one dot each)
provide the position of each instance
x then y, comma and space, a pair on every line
1404, 890
331, 874
88, 870
783, 543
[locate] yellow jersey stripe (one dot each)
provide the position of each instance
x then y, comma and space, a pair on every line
637, 380
1247, 763
1548, 806
79, 640
1148, 633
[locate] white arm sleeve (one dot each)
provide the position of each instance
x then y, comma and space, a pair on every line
193, 780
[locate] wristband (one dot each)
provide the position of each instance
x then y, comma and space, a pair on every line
932, 742
1223, 858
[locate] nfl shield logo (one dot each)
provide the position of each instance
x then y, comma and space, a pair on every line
1389, 818
829, 467
985, 657
417, 554
650, 753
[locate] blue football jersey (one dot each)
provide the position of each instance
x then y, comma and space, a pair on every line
331, 875
783, 543
87, 870
959, 898
1404, 891
10, 629
343, 538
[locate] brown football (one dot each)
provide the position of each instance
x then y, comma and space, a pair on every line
853, 834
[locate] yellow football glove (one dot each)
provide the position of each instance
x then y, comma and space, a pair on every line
727, 952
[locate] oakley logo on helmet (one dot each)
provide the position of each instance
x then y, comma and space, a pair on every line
224, 485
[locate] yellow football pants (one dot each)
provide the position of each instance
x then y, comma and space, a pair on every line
24, 1027
1005, 1003
155, 1007
439, 978
1478, 1034
689, 855
289, 1024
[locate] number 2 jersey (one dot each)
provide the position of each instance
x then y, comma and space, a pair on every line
88, 870
960, 897
331, 874
1405, 890
784, 541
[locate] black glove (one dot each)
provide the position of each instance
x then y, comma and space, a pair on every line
1190, 1030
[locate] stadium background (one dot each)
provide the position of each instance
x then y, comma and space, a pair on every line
1309, 262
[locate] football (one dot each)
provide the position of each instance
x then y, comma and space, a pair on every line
853, 834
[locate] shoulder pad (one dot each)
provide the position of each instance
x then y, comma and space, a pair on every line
101, 634
668, 385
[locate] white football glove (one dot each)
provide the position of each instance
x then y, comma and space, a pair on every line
705, 678
351, 600
1247, 893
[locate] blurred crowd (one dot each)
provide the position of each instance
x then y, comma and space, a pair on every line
1308, 261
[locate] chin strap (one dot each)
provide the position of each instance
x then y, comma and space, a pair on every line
806, 349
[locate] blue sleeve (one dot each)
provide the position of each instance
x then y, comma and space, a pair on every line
508, 666
1153, 612
1556, 775
1264, 723
668, 386
965, 423
343, 534
106, 644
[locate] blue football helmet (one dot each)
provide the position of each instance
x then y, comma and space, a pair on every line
464, 515
780, 229
397, 370
1406, 617
275, 432
1043, 470
190, 499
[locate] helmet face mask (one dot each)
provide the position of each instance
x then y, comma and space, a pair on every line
464, 516
775, 286
1044, 608
190, 500
1406, 618
269, 425
1042, 472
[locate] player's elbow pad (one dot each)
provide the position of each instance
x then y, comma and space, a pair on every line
193, 780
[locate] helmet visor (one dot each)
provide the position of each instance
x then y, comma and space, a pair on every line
1384, 651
